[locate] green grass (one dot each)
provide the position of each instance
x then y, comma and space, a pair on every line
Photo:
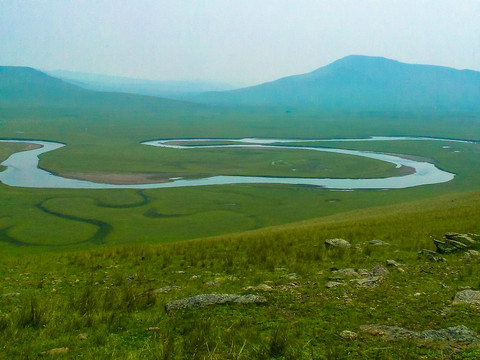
94, 296
50, 238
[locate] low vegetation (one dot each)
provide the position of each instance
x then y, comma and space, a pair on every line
110, 302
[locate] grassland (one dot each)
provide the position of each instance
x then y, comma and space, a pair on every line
102, 304
88, 261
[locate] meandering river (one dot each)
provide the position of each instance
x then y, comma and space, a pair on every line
22, 167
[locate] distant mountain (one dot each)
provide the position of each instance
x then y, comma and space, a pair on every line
167, 89
29, 87
363, 83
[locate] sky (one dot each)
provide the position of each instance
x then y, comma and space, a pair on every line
233, 41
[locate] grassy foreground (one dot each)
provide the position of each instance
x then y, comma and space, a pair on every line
103, 304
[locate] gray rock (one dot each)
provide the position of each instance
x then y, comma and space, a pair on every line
457, 333
213, 282
470, 297
213, 299
333, 284
393, 263
337, 243
379, 270
378, 243
348, 335
368, 282
344, 273
261, 287
454, 242
13, 294
431, 255
291, 276
166, 289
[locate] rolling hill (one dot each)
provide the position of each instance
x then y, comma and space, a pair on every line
363, 83
24, 86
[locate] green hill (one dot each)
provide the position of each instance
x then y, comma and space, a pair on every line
363, 83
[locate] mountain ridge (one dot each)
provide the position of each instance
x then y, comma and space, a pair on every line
362, 82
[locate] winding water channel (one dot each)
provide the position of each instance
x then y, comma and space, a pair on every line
22, 167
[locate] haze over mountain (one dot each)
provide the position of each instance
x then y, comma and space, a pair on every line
24, 86
167, 89
363, 83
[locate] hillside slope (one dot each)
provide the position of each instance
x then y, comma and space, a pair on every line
363, 83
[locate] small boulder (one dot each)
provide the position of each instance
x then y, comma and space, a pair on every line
82, 336
392, 263
337, 243
333, 284
213, 299
470, 297
261, 287
13, 294
344, 273
378, 243
367, 282
348, 335
55, 351
379, 270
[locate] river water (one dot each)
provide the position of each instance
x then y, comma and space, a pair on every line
22, 167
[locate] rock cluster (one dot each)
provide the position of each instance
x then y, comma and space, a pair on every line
203, 300
454, 242
361, 277
457, 333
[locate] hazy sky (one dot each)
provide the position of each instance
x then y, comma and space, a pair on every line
241, 41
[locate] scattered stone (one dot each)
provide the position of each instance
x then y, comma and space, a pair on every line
379, 270
417, 294
363, 272
213, 299
291, 276
378, 243
55, 351
166, 289
367, 282
393, 263
194, 277
348, 335
344, 273
13, 294
280, 269
180, 272
82, 336
431, 255
471, 253
261, 287
153, 328
337, 243
333, 284
470, 297
131, 278
213, 282
456, 333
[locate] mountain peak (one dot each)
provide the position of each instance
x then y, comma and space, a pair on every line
366, 83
